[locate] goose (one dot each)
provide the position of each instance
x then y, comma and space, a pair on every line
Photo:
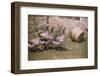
34, 43
46, 35
59, 39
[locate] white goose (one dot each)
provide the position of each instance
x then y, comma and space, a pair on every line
59, 39
46, 34
34, 42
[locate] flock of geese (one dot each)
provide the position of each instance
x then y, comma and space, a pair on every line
45, 39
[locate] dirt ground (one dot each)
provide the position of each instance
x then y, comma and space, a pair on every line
74, 50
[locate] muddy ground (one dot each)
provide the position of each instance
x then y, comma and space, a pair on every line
74, 50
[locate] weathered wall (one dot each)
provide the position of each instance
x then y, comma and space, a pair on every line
57, 21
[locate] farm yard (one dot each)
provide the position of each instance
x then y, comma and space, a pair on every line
72, 30
75, 50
